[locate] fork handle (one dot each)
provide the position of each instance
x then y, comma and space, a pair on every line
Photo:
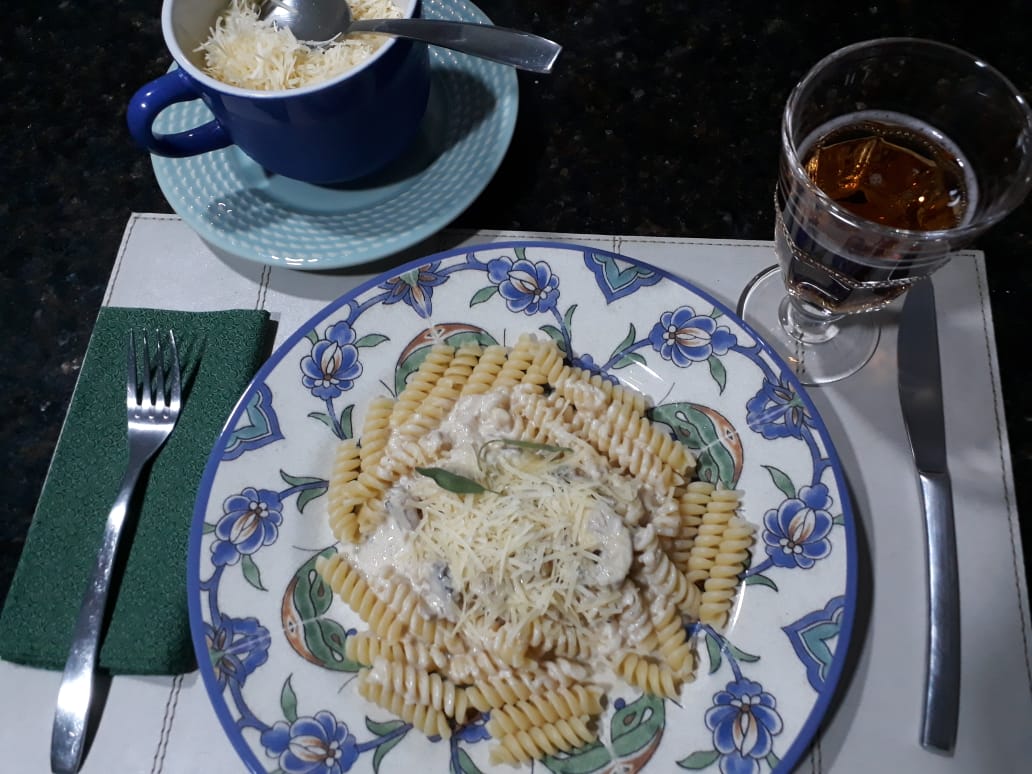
67, 739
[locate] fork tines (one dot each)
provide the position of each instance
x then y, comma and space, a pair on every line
147, 374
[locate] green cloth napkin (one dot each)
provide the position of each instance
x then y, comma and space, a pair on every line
148, 631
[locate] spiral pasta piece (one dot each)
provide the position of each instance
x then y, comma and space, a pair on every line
420, 382
722, 583
348, 584
662, 577
439, 400
591, 393
623, 437
428, 719
376, 430
516, 363
340, 505
657, 679
542, 709
546, 358
672, 641
475, 666
485, 372
719, 510
406, 604
541, 420
509, 687
692, 503
554, 639
524, 746
419, 686
366, 647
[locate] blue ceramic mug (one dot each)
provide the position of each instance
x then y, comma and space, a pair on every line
329, 132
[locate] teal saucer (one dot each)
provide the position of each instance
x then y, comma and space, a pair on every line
238, 207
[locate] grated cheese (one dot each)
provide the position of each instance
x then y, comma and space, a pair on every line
548, 546
243, 51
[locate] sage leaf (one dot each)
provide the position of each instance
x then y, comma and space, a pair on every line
453, 482
515, 443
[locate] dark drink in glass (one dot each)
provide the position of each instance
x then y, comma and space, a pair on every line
895, 153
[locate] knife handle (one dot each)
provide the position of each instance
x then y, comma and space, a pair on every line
942, 678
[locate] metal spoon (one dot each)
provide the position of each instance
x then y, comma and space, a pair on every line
320, 21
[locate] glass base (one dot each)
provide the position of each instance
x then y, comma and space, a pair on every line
816, 355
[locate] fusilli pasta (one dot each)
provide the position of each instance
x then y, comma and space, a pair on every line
554, 509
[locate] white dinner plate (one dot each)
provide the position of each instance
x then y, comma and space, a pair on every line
269, 636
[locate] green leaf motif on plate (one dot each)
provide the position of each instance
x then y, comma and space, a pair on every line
709, 435
760, 580
288, 701
463, 764
482, 295
718, 372
635, 730
371, 340
554, 334
453, 334
568, 317
638, 726
251, 572
701, 759
583, 760
781, 481
308, 488
314, 636
390, 733
717, 647
627, 342
629, 358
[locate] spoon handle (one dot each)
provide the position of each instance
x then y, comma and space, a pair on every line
499, 44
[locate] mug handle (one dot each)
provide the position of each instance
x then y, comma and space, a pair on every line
151, 99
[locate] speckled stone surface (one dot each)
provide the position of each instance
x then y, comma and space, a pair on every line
661, 120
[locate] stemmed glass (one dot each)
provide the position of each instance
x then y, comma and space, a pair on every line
894, 153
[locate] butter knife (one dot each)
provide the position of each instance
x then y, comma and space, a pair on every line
920, 395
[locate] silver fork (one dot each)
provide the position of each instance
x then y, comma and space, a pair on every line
151, 415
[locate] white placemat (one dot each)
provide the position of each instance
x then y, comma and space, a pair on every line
167, 725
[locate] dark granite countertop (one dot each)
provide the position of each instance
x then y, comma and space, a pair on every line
661, 120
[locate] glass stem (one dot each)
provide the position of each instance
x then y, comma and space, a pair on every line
807, 323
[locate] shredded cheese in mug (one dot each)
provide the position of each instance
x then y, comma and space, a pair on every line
243, 51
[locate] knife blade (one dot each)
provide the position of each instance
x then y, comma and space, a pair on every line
920, 395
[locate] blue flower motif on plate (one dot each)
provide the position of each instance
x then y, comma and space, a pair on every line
777, 411
250, 520
236, 647
684, 337
415, 288
796, 532
526, 286
319, 744
744, 721
333, 365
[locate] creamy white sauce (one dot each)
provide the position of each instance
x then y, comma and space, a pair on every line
598, 534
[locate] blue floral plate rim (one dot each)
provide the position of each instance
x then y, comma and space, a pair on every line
841, 607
